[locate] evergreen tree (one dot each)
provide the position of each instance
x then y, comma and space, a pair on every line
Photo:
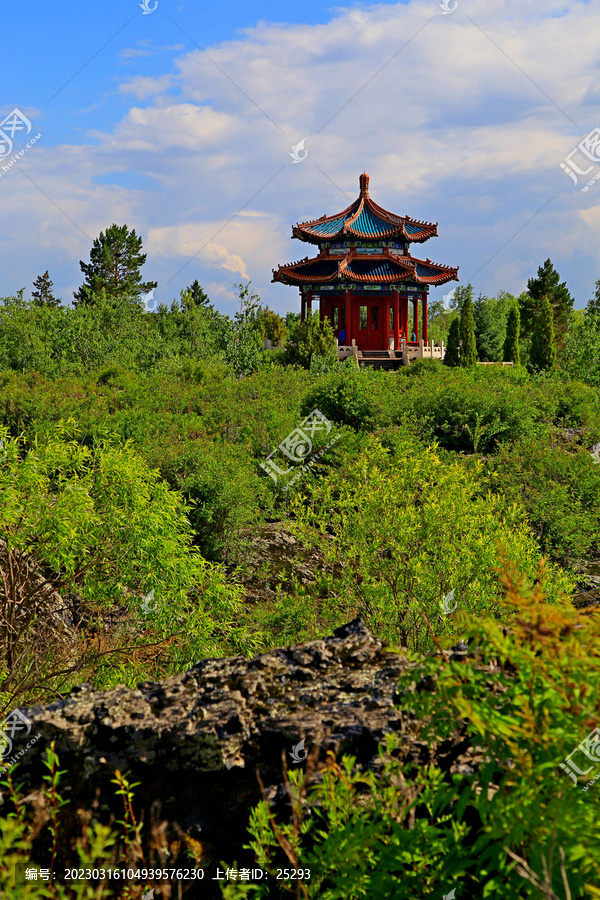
490, 328
468, 348
547, 284
452, 355
42, 293
194, 295
542, 353
115, 263
459, 295
513, 330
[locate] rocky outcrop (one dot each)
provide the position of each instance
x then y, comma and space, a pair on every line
196, 740
270, 557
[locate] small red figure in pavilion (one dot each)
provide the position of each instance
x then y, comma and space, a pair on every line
364, 275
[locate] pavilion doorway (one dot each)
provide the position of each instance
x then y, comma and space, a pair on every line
370, 324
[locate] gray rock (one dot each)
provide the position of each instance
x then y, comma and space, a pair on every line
196, 740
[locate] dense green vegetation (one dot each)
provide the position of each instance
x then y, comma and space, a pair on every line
131, 445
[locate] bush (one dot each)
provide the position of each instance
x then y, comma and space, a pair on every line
99, 525
398, 531
350, 396
560, 490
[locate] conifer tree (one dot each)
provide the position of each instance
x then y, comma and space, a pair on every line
542, 353
452, 355
194, 295
513, 330
547, 284
42, 292
115, 263
468, 348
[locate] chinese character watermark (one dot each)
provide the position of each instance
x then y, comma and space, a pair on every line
590, 747
13, 725
298, 446
15, 123
589, 150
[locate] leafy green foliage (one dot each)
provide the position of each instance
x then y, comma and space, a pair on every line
271, 325
194, 295
560, 489
580, 354
312, 338
99, 522
404, 528
244, 341
347, 396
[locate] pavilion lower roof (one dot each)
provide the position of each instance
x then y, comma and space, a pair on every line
376, 268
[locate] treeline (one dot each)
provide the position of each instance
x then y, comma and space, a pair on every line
115, 319
538, 329
109, 321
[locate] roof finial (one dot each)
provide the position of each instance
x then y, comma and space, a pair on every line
364, 185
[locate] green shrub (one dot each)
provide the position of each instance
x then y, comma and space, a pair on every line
397, 531
560, 490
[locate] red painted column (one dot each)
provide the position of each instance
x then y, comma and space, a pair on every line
416, 318
425, 317
405, 318
396, 321
386, 323
349, 334
309, 303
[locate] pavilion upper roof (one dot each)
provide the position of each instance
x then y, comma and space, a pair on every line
364, 220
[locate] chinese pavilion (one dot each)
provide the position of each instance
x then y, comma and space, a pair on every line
364, 276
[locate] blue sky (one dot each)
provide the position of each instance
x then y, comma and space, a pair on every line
180, 123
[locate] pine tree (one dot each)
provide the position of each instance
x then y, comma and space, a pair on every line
194, 295
468, 348
542, 353
547, 284
42, 293
115, 263
513, 330
452, 355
